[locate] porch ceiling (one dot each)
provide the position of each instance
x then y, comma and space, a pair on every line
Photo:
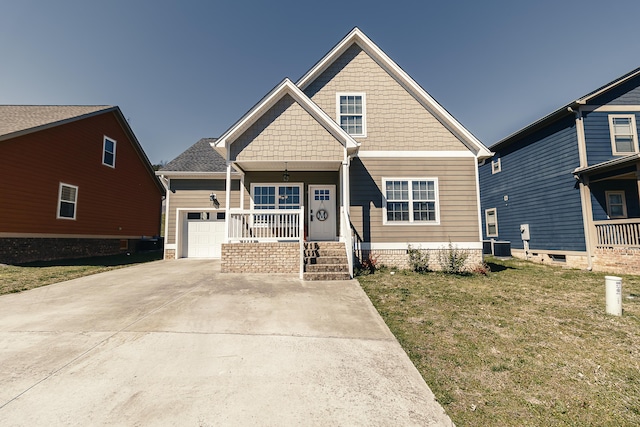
295, 165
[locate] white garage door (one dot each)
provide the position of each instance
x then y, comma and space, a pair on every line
204, 238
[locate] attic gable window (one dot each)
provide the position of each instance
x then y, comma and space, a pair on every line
624, 136
109, 152
351, 117
496, 165
67, 199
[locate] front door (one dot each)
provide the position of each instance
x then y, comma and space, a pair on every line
322, 212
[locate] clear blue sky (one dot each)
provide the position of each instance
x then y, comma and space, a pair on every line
182, 70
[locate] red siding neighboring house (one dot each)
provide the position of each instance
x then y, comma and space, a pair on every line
75, 183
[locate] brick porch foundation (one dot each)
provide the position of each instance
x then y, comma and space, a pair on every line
261, 258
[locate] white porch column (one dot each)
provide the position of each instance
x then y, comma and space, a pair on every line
344, 183
227, 203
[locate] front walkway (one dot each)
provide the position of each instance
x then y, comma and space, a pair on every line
178, 343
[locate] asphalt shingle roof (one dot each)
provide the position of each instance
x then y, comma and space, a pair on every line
17, 118
200, 157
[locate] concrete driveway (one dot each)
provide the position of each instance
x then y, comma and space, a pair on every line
178, 343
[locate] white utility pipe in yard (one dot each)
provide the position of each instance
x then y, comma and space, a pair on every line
614, 295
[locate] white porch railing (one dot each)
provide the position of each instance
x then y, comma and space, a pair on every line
258, 225
620, 233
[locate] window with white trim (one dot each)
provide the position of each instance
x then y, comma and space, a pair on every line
496, 165
276, 196
351, 113
109, 152
616, 204
67, 200
491, 222
410, 201
624, 135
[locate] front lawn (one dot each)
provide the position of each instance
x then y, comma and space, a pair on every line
526, 345
36, 274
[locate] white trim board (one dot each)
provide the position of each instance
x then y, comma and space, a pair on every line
419, 245
407, 154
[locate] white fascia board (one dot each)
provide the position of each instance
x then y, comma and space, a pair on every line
419, 245
358, 37
190, 175
413, 154
284, 88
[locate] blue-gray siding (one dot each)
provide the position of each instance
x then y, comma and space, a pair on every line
599, 200
597, 136
542, 192
625, 94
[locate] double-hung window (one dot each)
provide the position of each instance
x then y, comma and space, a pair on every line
616, 204
491, 222
410, 201
275, 196
624, 135
67, 200
351, 110
109, 152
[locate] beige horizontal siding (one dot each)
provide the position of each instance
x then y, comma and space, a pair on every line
395, 120
457, 199
286, 132
194, 194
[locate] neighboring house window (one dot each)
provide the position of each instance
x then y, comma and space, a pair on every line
412, 200
67, 200
616, 204
352, 113
496, 165
109, 152
624, 137
491, 221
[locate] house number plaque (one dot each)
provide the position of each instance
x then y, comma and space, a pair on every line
322, 215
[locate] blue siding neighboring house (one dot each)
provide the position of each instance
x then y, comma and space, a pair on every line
574, 178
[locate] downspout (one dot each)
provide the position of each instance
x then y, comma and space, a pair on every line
166, 183
585, 191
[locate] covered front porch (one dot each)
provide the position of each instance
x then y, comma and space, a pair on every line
614, 226
285, 206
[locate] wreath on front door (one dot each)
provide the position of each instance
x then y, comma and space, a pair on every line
322, 215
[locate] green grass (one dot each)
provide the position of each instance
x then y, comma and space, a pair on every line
526, 345
36, 274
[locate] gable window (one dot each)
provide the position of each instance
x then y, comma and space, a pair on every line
491, 222
496, 165
624, 137
616, 204
410, 201
67, 200
352, 113
109, 152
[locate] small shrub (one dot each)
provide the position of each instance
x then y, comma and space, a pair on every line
368, 265
452, 259
481, 269
418, 259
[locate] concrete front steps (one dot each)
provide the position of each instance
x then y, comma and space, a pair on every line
325, 261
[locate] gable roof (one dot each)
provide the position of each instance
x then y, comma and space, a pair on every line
200, 157
16, 120
286, 87
430, 104
568, 109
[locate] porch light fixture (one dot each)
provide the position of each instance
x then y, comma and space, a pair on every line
285, 175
